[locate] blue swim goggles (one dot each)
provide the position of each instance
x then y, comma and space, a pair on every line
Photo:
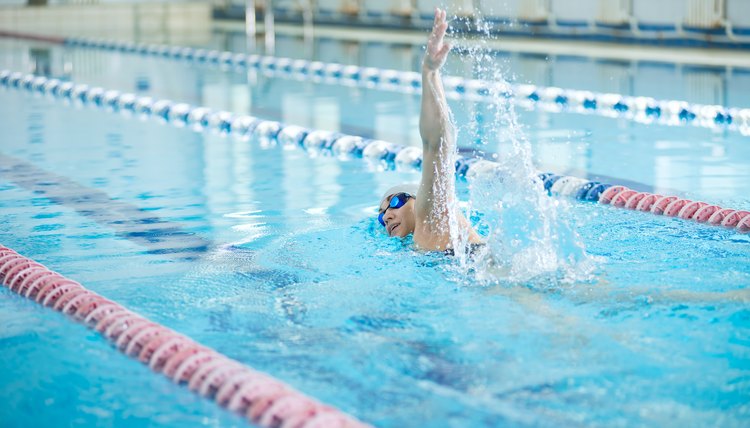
397, 201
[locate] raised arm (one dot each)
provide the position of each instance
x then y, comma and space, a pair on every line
437, 188
434, 121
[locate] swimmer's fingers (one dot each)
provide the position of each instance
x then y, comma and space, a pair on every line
439, 27
438, 17
437, 50
436, 46
444, 50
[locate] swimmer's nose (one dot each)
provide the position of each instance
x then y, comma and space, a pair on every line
388, 216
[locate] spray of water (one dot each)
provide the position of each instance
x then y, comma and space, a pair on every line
529, 236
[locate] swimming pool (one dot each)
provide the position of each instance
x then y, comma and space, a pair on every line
273, 257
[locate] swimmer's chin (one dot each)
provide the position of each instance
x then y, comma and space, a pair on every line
392, 231
399, 232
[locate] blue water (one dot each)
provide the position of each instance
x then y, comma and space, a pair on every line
274, 257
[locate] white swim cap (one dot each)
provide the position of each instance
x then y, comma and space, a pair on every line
410, 188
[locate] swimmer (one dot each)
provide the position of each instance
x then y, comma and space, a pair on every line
423, 209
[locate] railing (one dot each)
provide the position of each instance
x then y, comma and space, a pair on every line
705, 14
692, 21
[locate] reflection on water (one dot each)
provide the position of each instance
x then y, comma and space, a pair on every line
698, 162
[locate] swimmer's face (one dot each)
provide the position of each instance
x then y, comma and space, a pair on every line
398, 221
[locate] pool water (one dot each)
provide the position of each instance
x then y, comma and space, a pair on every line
274, 257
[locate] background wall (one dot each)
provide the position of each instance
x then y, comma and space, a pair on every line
692, 22
124, 20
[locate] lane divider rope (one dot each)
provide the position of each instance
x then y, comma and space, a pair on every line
343, 146
262, 399
624, 197
645, 110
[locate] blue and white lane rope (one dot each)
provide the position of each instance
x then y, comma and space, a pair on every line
645, 110
343, 145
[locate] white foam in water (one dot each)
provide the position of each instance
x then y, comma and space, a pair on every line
529, 236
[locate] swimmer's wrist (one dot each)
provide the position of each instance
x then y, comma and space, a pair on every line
429, 70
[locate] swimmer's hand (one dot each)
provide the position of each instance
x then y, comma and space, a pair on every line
437, 49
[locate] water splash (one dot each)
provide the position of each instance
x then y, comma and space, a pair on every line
530, 237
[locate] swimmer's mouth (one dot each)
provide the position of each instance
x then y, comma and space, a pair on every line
390, 229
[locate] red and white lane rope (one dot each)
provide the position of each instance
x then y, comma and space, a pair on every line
673, 206
263, 400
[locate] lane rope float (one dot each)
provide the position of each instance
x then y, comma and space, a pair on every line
262, 399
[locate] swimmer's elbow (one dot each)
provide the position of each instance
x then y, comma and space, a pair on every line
436, 137
430, 143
